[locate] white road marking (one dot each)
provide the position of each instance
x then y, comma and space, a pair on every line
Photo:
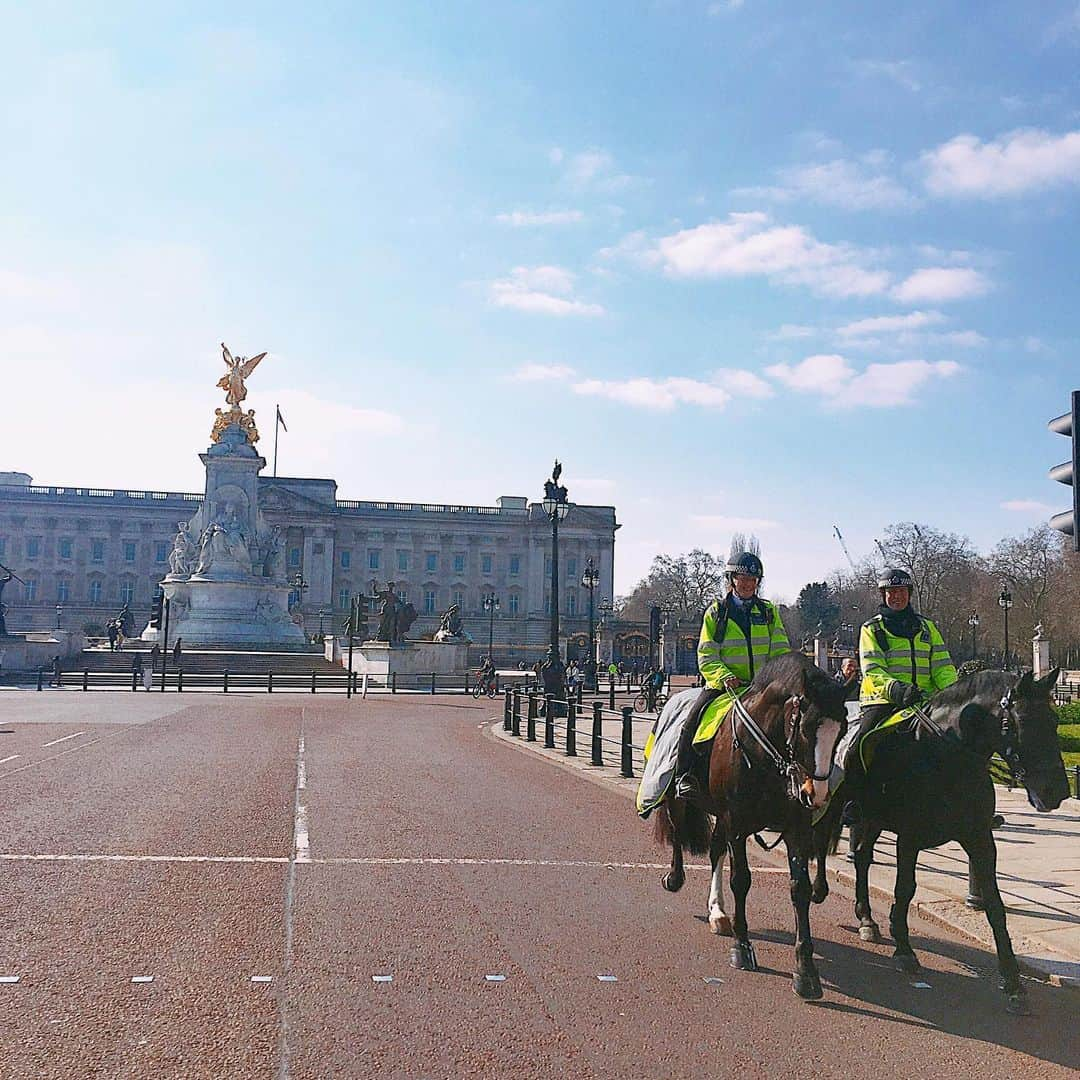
142, 978
922, 986
281, 860
712, 980
495, 978
608, 978
301, 842
4, 761
382, 978
9, 978
63, 753
63, 738
262, 978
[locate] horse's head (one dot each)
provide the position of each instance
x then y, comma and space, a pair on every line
814, 720
1028, 740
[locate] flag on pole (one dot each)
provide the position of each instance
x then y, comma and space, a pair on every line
280, 418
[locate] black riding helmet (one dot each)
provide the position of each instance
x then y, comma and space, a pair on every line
744, 563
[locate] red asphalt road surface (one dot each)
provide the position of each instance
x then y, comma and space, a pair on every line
405, 779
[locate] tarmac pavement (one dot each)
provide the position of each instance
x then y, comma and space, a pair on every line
379, 888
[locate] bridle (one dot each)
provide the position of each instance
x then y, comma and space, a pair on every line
1010, 737
783, 760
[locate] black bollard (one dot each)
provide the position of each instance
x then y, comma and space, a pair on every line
530, 720
549, 722
597, 733
627, 746
571, 729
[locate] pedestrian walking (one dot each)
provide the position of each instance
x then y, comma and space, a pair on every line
110, 629
136, 670
148, 675
56, 670
177, 653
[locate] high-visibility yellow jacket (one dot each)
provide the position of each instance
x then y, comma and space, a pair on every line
725, 650
886, 660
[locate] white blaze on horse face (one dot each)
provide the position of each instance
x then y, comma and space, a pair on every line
827, 733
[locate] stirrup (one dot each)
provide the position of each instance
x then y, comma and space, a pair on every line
687, 786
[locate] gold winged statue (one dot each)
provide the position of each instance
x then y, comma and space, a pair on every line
240, 367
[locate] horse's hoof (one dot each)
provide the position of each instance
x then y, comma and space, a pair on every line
906, 963
673, 883
818, 895
870, 932
720, 925
1017, 1004
743, 957
808, 987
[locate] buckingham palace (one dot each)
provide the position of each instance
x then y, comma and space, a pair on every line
81, 553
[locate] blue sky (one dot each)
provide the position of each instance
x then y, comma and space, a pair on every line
754, 265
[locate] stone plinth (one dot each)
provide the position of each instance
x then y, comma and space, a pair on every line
28, 652
381, 660
1040, 656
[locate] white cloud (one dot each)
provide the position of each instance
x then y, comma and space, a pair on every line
658, 395
877, 386
888, 324
746, 244
544, 290
1016, 163
965, 339
792, 332
542, 373
898, 71
840, 183
940, 284
1027, 506
742, 383
592, 170
726, 524
722, 7
522, 218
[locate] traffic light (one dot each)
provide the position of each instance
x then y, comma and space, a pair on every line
155, 609
1068, 472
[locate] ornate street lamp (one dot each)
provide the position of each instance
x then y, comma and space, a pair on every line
1005, 601
973, 622
556, 506
590, 579
59, 612
491, 605
322, 616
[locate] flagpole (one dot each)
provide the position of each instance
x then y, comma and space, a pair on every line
277, 421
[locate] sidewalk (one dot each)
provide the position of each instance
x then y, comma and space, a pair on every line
1038, 863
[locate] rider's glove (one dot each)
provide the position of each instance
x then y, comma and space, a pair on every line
909, 695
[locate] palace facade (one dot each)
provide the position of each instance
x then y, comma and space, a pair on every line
84, 552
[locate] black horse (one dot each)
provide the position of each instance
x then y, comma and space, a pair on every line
930, 783
768, 768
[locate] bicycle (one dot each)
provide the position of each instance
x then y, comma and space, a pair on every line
484, 686
641, 702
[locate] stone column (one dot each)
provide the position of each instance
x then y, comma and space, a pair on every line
1040, 649
821, 652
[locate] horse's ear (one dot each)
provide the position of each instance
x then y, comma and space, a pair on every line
1048, 681
1023, 684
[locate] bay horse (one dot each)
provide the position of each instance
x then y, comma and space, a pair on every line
931, 783
768, 769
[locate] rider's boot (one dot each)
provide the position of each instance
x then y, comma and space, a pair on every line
687, 785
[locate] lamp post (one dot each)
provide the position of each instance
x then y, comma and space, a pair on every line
973, 622
556, 506
604, 608
491, 605
590, 578
1005, 601
322, 616
848, 631
59, 612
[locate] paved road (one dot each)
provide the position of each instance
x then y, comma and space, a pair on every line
321, 844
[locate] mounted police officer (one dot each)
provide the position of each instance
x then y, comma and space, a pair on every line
904, 660
738, 634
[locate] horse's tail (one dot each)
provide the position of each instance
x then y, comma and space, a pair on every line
689, 826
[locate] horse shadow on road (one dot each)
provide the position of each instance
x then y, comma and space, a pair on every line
965, 1003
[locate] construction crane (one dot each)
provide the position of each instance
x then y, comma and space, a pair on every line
847, 554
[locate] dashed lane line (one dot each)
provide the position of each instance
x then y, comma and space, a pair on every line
63, 738
4, 761
70, 750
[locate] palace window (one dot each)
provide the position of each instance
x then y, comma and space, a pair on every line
343, 598
459, 599
373, 559
403, 596
571, 568
571, 603
515, 565
97, 550
30, 590
3, 546
161, 551
96, 590
403, 562
129, 551
513, 603
459, 563
547, 567
429, 602
127, 592
346, 560
63, 590
63, 547
294, 556
486, 562
33, 547
431, 562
